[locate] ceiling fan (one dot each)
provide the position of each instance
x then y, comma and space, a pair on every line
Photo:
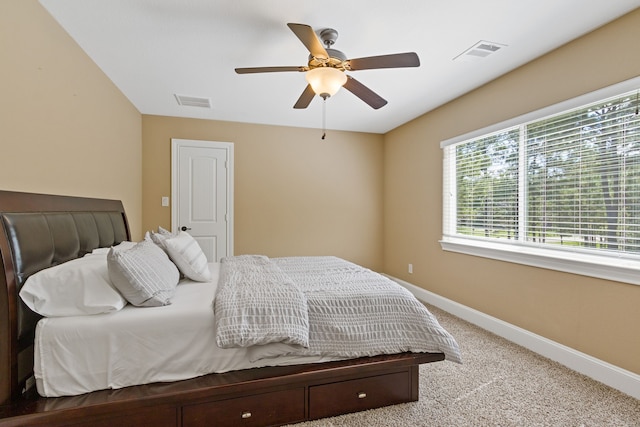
326, 67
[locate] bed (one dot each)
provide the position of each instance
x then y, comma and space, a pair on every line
257, 384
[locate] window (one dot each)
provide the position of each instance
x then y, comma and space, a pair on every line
558, 190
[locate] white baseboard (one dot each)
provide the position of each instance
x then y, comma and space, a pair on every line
626, 381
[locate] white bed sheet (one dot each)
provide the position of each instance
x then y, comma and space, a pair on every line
139, 345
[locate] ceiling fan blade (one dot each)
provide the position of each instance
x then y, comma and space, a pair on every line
396, 60
305, 98
367, 95
270, 69
309, 38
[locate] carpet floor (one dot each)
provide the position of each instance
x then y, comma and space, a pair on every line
499, 384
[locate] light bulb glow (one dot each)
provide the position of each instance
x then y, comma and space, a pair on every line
326, 81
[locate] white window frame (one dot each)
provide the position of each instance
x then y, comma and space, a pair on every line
602, 265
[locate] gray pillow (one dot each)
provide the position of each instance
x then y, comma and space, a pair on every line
143, 274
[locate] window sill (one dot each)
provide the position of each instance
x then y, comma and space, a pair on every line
603, 267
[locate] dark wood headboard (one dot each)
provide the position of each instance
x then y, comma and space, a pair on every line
38, 231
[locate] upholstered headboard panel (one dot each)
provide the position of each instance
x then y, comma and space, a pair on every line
40, 231
44, 239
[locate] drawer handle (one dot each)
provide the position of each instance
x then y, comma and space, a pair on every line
362, 395
246, 415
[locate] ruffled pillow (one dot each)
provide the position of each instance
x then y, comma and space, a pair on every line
143, 274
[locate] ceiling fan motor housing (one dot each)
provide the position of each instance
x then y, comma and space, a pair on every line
336, 60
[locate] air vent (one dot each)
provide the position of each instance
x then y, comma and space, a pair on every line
193, 101
480, 50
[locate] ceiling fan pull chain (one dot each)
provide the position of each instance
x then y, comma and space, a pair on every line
324, 118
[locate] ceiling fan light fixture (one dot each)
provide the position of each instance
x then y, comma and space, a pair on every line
326, 81
325, 69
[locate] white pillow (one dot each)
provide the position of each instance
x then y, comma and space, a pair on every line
187, 254
143, 274
75, 288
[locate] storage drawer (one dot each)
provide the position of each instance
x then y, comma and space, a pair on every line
275, 408
360, 394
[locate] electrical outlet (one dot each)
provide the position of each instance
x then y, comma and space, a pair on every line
165, 201
410, 268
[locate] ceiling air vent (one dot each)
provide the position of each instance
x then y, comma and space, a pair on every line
193, 101
480, 50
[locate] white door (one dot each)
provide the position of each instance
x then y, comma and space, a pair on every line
202, 194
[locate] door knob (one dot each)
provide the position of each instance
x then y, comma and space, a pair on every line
185, 228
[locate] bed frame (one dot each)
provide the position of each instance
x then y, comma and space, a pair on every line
38, 231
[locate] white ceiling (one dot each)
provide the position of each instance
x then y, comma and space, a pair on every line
153, 49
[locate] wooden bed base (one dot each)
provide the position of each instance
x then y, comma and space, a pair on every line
268, 396
253, 397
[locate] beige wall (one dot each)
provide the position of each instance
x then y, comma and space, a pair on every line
597, 317
66, 129
295, 194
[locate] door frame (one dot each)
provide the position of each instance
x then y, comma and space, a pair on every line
176, 144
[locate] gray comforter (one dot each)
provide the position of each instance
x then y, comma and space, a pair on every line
257, 303
349, 311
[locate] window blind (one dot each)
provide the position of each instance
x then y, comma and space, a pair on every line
570, 180
582, 177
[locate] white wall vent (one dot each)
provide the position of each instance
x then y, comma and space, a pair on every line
193, 101
480, 50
